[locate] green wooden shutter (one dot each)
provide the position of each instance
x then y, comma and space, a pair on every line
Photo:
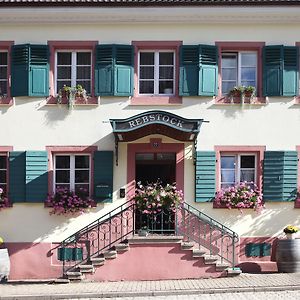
30, 70
189, 70
290, 71
103, 176
17, 191
208, 72
205, 176
36, 176
104, 79
280, 175
123, 73
272, 70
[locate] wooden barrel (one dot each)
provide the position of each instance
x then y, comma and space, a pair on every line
288, 256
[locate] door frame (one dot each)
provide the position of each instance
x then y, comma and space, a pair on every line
154, 146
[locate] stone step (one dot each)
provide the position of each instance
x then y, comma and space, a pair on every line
153, 239
75, 276
187, 245
86, 268
97, 261
198, 253
110, 254
61, 280
210, 259
234, 271
122, 247
221, 266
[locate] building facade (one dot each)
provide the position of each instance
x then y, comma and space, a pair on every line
154, 69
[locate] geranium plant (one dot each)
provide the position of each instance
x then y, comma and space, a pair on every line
153, 198
65, 202
290, 229
3, 199
242, 195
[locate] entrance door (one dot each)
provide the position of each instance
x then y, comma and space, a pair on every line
153, 167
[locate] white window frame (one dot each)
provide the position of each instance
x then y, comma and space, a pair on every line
237, 170
239, 67
156, 71
72, 170
5, 80
73, 66
4, 183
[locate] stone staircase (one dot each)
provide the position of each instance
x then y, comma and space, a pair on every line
90, 267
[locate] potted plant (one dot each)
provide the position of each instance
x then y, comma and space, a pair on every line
71, 93
4, 262
236, 92
143, 231
249, 91
290, 231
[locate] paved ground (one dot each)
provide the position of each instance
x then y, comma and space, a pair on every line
246, 283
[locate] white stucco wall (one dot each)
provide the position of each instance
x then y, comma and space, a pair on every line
30, 124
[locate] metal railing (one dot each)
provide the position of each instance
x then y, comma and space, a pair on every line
124, 221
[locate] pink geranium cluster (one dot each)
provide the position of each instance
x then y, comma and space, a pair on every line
153, 198
65, 202
242, 195
3, 199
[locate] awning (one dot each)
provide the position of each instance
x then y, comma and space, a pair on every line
155, 122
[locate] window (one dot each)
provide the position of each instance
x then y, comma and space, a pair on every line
72, 171
237, 168
238, 68
156, 72
72, 68
3, 172
3, 73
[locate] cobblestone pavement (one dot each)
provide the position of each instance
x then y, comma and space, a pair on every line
243, 283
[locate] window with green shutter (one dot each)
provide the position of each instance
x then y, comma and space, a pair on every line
280, 70
280, 175
198, 70
205, 176
114, 70
30, 70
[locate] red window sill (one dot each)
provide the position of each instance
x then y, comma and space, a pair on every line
6, 101
156, 100
237, 100
78, 101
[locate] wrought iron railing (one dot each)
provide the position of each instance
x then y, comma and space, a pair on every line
211, 236
124, 221
99, 236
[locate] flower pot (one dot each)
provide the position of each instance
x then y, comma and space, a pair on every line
290, 236
288, 256
143, 232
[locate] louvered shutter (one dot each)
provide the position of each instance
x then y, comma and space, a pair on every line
17, 189
104, 79
205, 176
123, 72
280, 175
208, 72
272, 70
290, 71
30, 70
189, 70
103, 176
36, 176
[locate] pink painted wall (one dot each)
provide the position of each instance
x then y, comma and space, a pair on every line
154, 262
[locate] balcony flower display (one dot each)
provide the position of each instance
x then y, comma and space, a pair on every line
3, 199
242, 195
65, 202
290, 231
153, 198
71, 94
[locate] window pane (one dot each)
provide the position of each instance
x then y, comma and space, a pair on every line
229, 61
248, 59
3, 72
3, 161
2, 176
248, 74
82, 188
146, 72
227, 185
144, 156
3, 87
227, 86
228, 176
64, 58
82, 162
146, 58
86, 85
62, 176
84, 58
60, 84
166, 72
166, 156
247, 83
83, 72
166, 87
62, 162
248, 161
63, 72
228, 162
82, 176
3, 58
146, 87
247, 175
166, 58
62, 186
229, 74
